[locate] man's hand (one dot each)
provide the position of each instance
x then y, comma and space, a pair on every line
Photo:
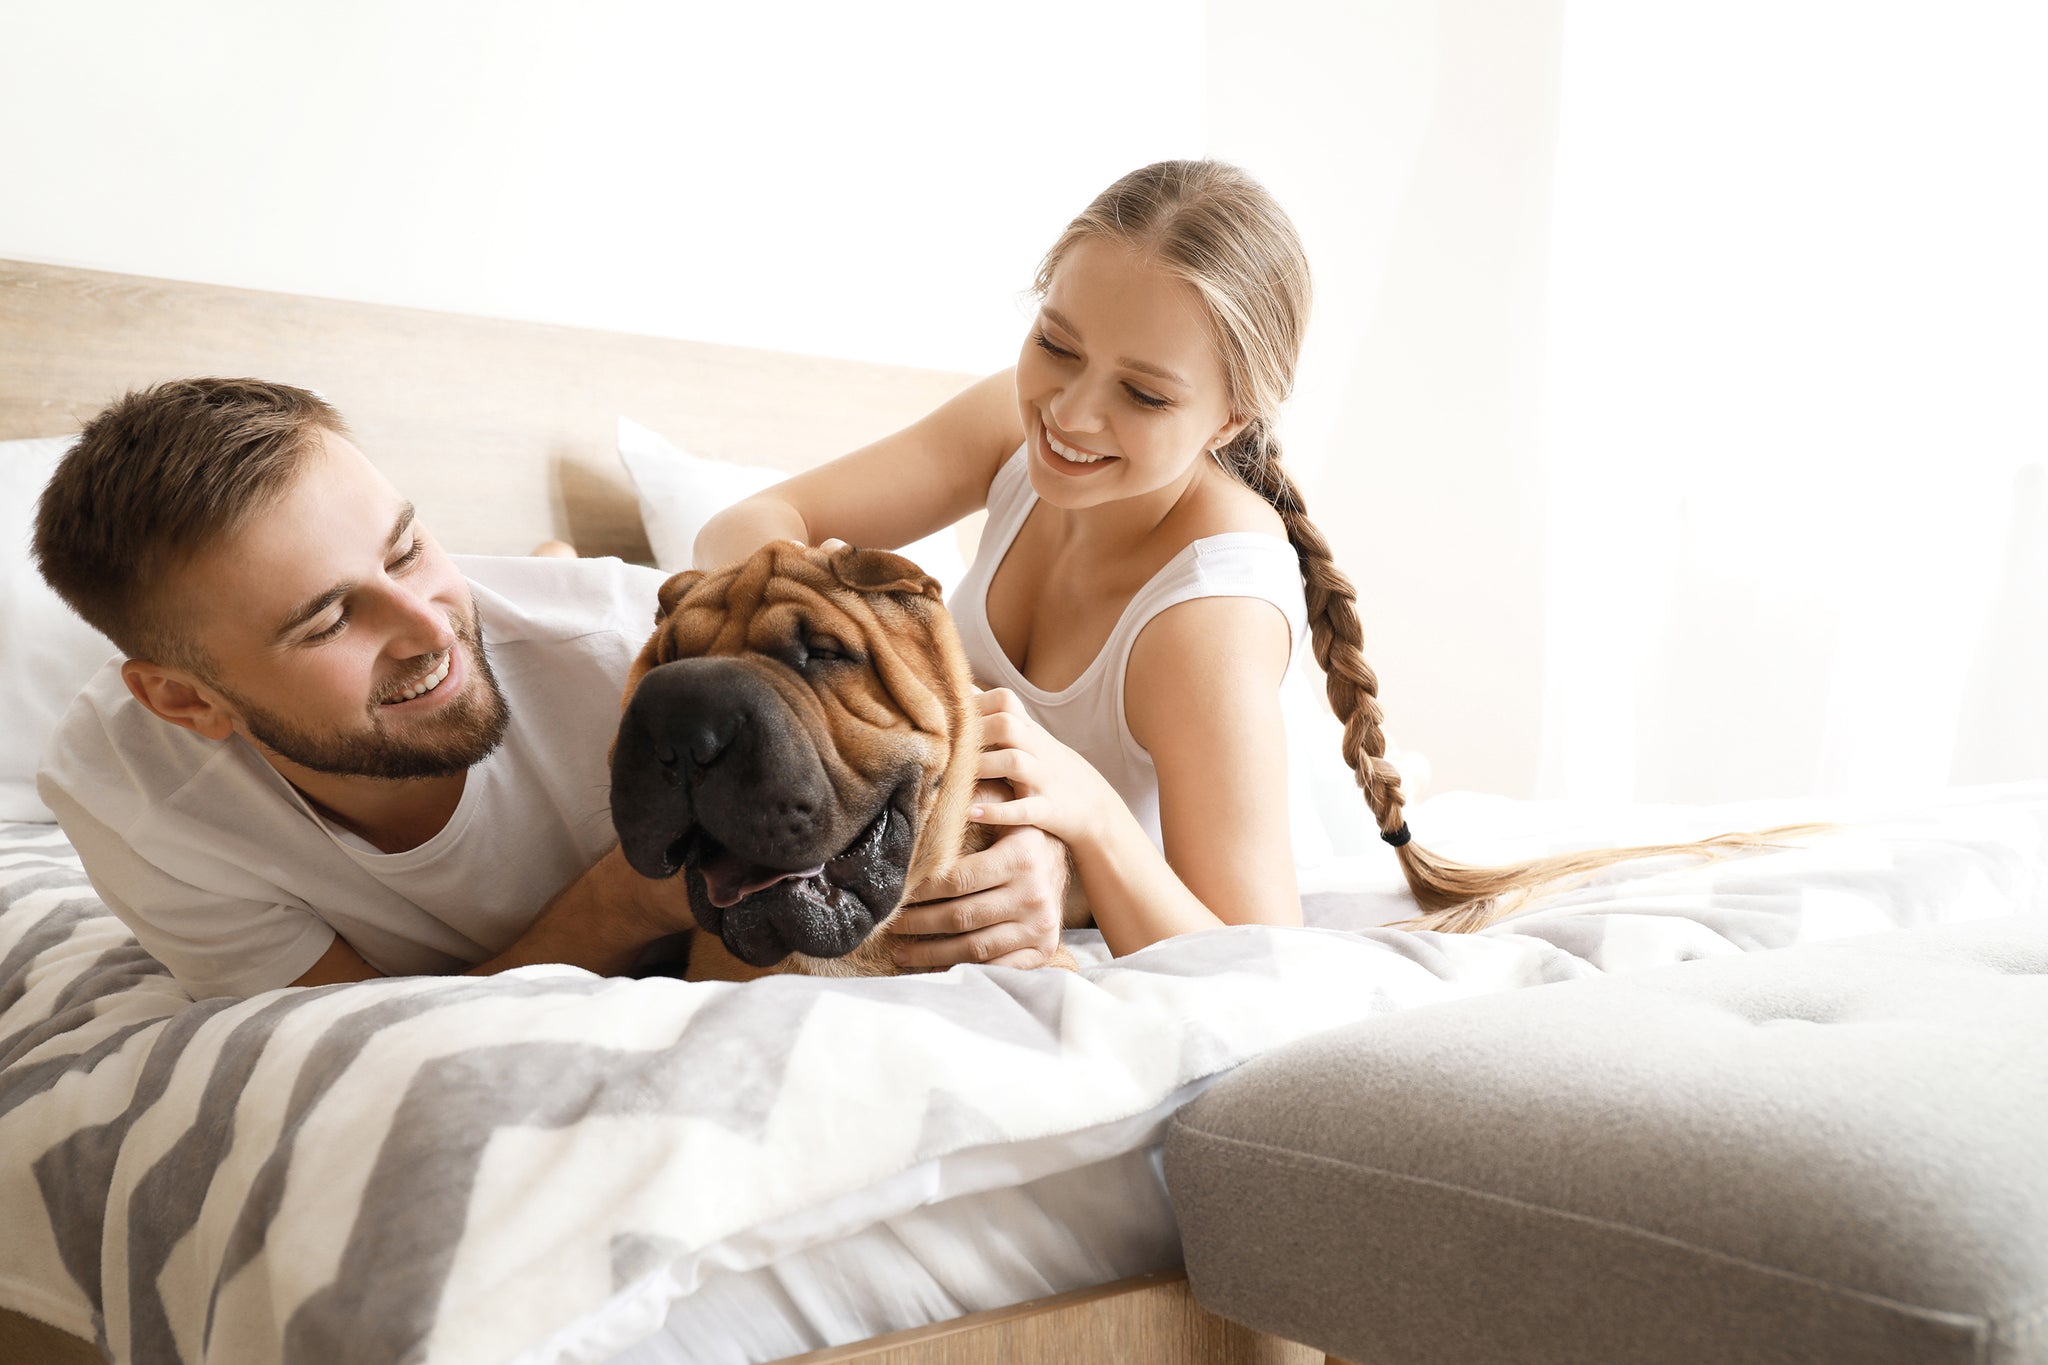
601, 921
1001, 906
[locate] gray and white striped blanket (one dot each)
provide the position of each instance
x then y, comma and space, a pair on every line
531, 1167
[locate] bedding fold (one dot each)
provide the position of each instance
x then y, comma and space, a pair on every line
532, 1166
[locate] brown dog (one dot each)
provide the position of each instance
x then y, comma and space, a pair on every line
799, 738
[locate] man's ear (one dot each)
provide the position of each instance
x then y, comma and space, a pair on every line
174, 695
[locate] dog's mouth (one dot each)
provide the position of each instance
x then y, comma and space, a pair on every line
729, 879
765, 913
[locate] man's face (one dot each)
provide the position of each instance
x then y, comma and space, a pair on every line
342, 638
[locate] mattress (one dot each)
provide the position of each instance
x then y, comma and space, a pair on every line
549, 1166
1097, 1223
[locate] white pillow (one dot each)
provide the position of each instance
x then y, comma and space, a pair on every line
46, 653
679, 492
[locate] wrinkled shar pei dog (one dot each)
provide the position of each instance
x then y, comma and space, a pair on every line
799, 740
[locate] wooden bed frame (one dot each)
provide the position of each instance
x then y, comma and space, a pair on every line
503, 434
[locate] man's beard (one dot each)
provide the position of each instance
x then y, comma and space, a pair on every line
463, 734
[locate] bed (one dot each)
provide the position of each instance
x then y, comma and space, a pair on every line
548, 1166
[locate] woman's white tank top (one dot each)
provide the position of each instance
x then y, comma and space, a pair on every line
1087, 715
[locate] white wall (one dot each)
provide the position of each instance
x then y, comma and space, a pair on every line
1412, 142
871, 180
878, 181
874, 181
1797, 433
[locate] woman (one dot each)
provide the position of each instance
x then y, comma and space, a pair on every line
1146, 573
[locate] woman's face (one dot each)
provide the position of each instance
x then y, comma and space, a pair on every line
1119, 383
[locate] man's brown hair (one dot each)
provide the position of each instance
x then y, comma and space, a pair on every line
156, 478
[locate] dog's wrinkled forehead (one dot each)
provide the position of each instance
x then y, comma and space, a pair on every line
813, 610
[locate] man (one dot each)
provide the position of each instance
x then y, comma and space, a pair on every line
332, 752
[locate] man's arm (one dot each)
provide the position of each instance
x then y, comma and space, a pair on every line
599, 922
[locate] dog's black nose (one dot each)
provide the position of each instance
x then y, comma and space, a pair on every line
707, 737
687, 712
704, 738
709, 744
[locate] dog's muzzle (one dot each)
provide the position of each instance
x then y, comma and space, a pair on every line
714, 773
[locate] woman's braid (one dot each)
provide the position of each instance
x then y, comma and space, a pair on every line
1334, 630
1218, 230
1455, 897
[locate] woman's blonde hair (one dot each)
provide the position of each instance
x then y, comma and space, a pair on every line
1214, 227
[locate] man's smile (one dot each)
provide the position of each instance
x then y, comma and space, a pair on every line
431, 683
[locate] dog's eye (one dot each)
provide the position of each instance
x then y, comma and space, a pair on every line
825, 649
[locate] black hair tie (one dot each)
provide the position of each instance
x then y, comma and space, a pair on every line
1399, 836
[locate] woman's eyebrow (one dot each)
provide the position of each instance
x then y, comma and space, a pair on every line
313, 606
1141, 366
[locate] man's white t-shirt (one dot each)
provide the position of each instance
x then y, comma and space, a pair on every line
229, 878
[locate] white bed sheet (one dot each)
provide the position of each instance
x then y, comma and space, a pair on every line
991, 1248
995, 1157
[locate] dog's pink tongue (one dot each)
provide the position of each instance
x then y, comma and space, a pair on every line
729, 880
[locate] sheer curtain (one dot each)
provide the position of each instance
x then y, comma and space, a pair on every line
1797, 406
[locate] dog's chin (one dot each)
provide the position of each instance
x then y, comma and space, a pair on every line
811, 917
825, 915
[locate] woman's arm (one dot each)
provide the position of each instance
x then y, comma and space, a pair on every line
1202, 695
927, 476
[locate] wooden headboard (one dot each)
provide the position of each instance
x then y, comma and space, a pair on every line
502, 433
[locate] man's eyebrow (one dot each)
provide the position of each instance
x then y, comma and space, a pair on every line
313, 606
1141, 366
308, 610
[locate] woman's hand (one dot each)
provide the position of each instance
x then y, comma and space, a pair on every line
1056, 789
1005, 905
1001, 906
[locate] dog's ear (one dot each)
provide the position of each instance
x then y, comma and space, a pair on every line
882, 571
672, 592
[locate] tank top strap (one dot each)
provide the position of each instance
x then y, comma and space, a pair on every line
1234, 564
1009, 497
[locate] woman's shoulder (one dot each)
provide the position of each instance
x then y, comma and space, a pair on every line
1234, 567
982, 418
1228, 507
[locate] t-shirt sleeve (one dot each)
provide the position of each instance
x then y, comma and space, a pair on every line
215, 945
614, 615
561, 599
635, 593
